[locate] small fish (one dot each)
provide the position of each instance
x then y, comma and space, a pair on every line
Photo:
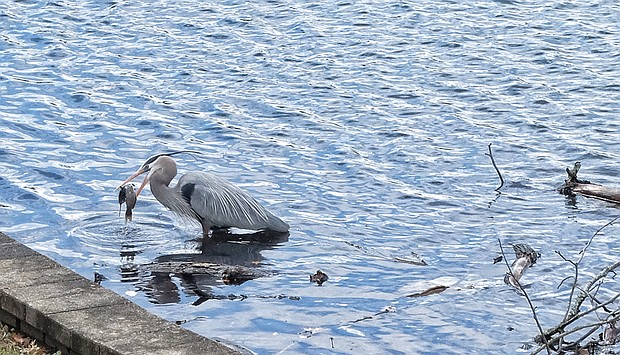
127, 195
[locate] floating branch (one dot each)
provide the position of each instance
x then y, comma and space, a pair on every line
573, 186
413, 260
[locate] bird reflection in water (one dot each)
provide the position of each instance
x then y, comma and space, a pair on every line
224, 258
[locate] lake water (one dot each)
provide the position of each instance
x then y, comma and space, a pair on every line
363, 124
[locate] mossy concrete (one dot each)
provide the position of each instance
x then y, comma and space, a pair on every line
69, 313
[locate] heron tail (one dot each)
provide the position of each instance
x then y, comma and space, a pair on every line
276, 224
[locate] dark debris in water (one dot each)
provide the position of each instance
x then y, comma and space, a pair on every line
414, 260
430, 291
319, 277
205, 296
388, 309
99, 278
236, 275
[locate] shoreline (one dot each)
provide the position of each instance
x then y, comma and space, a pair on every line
64, 311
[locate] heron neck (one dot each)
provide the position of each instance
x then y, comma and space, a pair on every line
168, 196
162, 192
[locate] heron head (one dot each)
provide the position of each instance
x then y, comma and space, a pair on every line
151, 165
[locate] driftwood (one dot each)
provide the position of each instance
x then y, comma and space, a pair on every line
573, 186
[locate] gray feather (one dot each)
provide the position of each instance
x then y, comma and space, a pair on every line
223, 204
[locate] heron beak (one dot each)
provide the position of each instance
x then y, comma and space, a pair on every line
133, 176
146, 180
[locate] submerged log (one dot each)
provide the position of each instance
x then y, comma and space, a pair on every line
230, 274
573, 186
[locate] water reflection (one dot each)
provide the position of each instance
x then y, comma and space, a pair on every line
362, 122
129, 269
225, 258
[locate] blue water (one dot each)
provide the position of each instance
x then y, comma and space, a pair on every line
364, 125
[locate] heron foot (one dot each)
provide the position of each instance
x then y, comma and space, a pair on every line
206, 227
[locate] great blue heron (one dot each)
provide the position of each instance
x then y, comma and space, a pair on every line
209, 199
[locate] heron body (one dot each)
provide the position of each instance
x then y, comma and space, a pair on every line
209, 199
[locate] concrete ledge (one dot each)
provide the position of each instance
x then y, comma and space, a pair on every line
69, 313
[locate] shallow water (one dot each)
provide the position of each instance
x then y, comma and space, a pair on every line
363, 125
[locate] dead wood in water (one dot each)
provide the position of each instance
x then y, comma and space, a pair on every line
229, 274
573, 186
581, 319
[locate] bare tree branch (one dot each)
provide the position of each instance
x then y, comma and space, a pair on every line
593, 326
540, 329
583, 251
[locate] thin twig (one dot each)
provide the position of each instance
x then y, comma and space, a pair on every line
584, 294
542, 333
574, 313
576, 266
572, 289
583, 251
564, 279
555, 336
593, 298
501, 179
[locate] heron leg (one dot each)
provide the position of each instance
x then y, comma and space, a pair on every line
206, 227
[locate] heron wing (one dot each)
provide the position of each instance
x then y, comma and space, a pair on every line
223, 204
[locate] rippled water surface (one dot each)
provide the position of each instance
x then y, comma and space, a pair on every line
364, 125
